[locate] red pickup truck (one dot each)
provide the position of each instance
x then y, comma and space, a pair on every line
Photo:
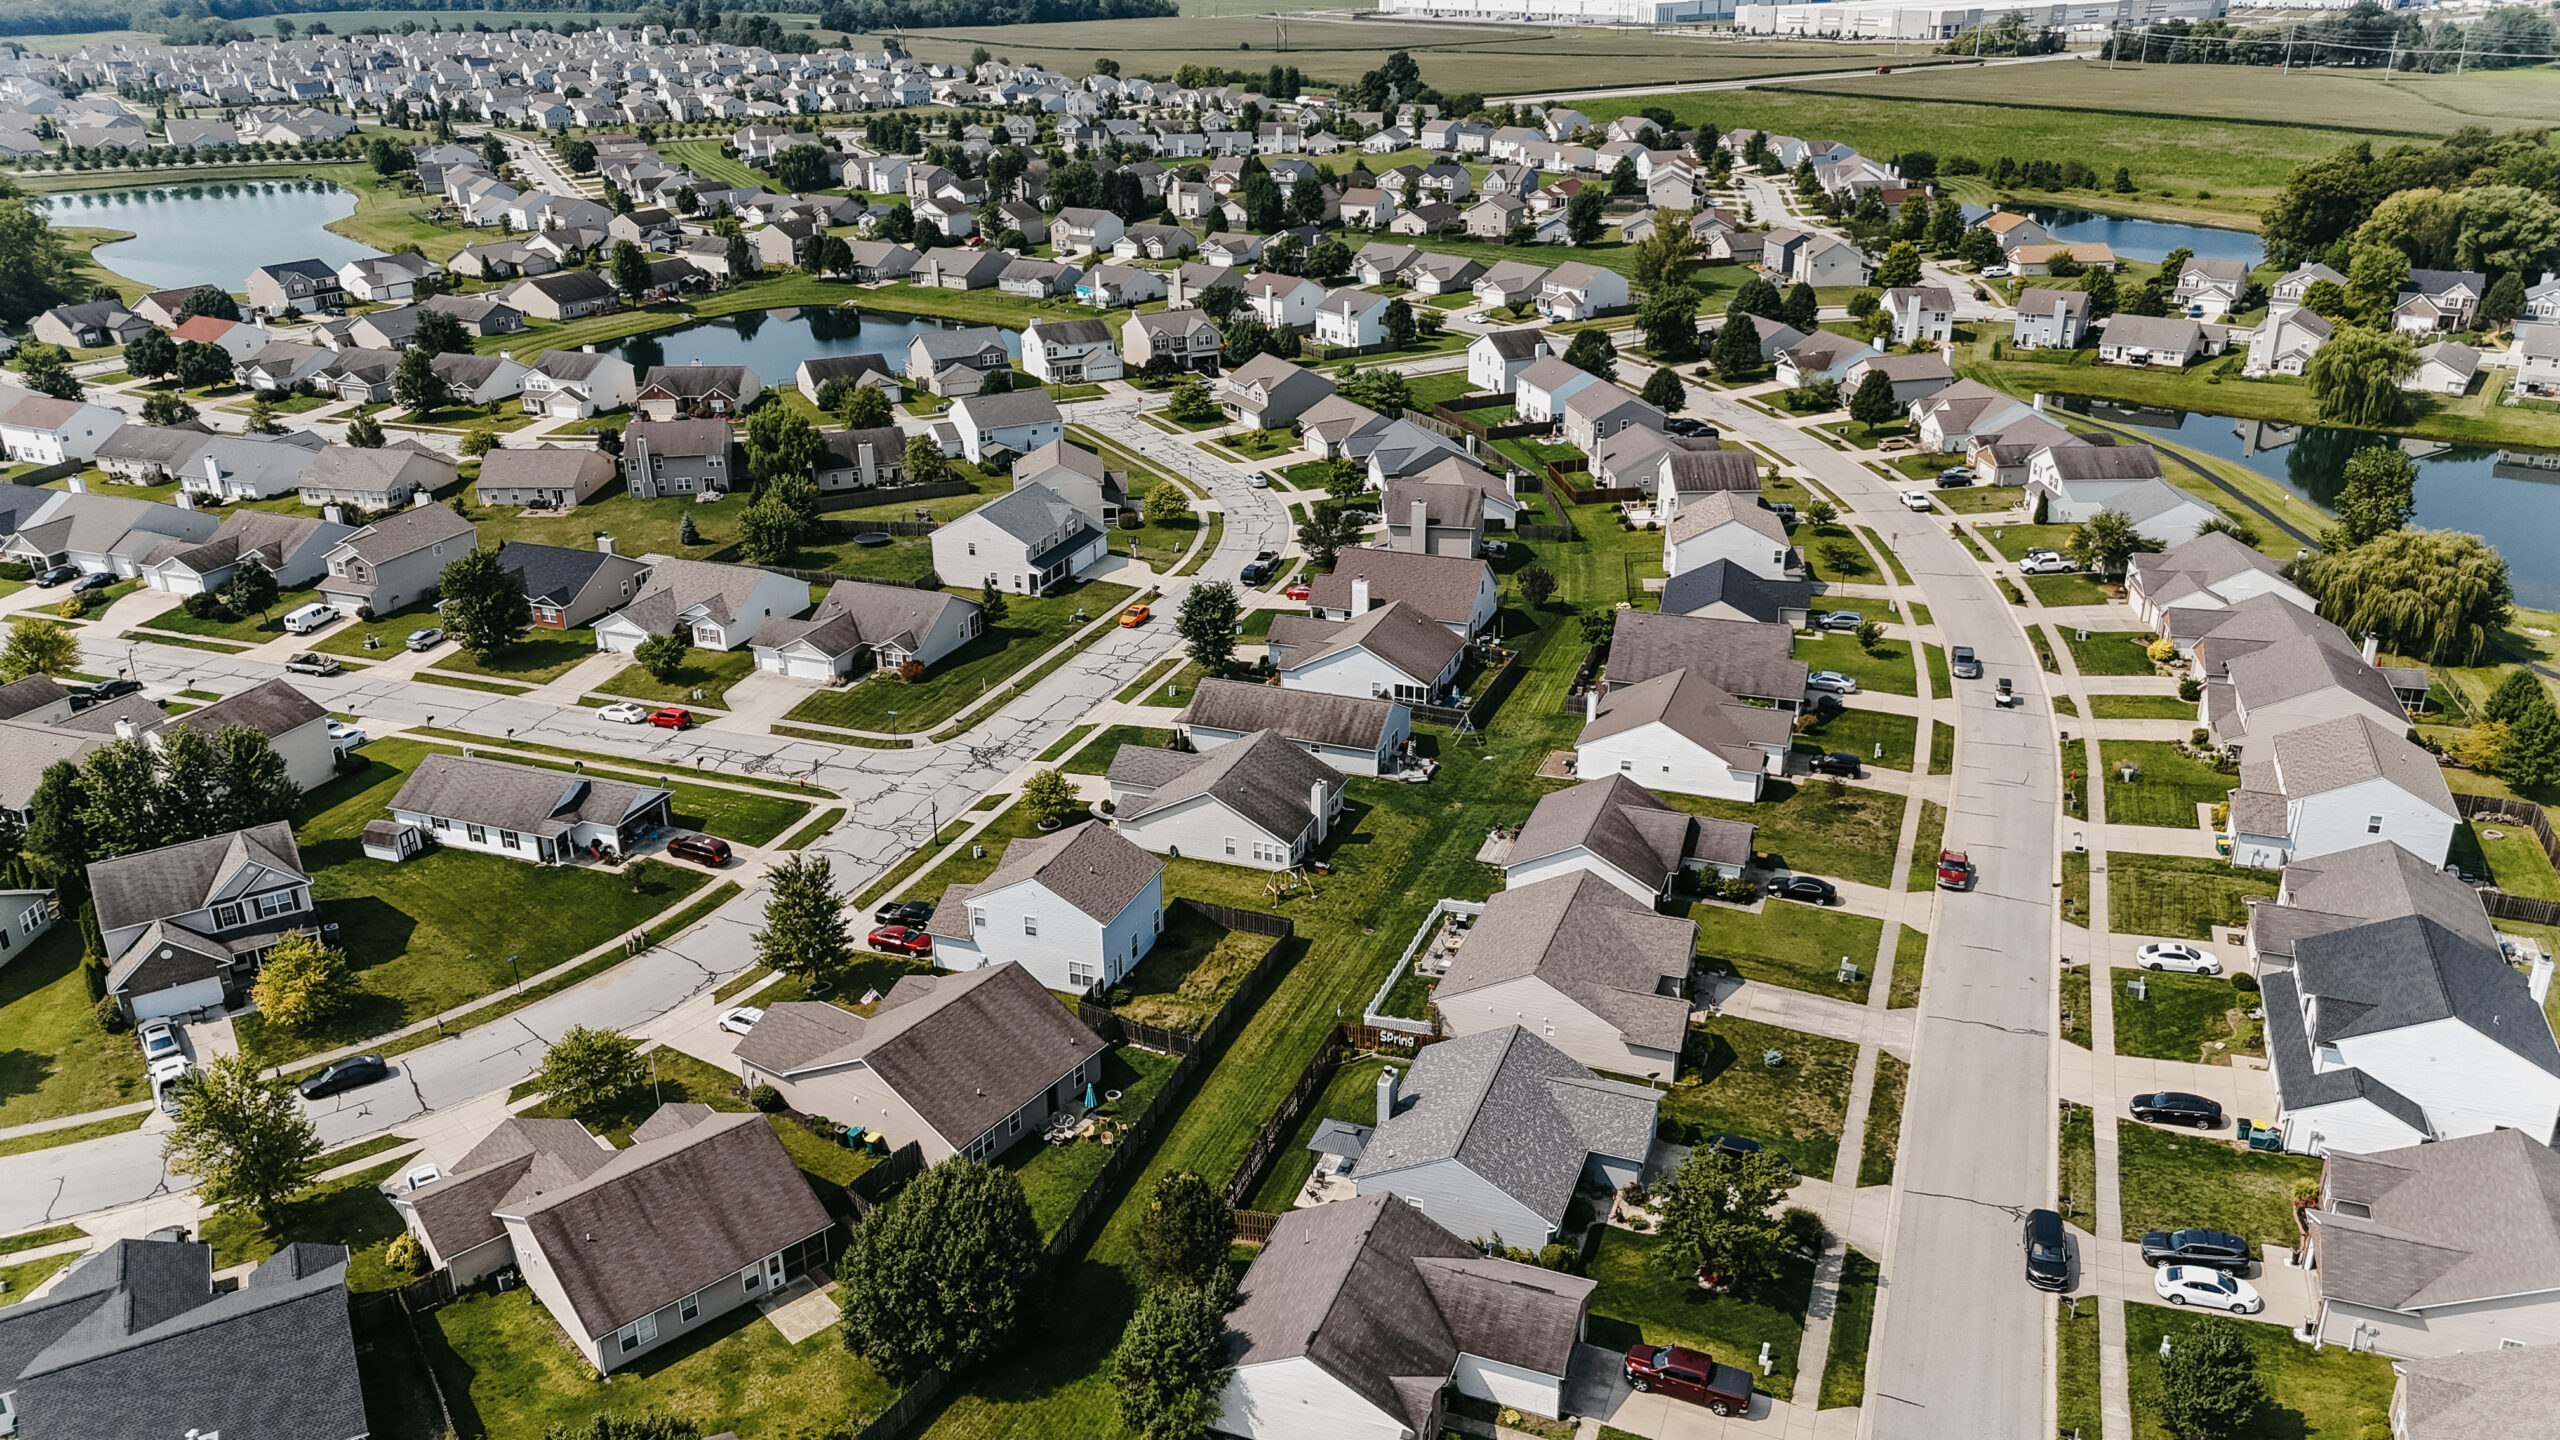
1685, 1374
1955, 871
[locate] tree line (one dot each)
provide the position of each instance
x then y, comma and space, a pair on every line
2364, 36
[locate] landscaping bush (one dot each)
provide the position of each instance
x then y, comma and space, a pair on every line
206, 605
1737, 890
16, 570
2245, 983
1555, 1257
1802, 1229
405, 1255
766, 1099
2191, 690
110, 1016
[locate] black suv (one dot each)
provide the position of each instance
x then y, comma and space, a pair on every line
2208, 1249
2173, 1107
904, 912
2048, 1251
346, 1075
1836, 762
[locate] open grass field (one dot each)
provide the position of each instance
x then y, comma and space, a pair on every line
1642, 1296
2333, 1393
2171, 1179
55, 1060
2180, 895
1786, 943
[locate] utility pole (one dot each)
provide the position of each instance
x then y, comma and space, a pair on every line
2289, 33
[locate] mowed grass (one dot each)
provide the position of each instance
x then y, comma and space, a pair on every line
1887, 667
2140, 707
1853, 1320
1788, 943
2169, 1179
1096, 756
1797, 1107
2180, 895
703, 679
1351, 1096
2510, 854
2108, 652
351, 1211
2200, 1019
54, 1060
2333, 1393
1033, 625
1925, 845
2080, 1167
1910, 961
1883, 1140
1640, 1294
1816, 827
2168, 789
1875, 737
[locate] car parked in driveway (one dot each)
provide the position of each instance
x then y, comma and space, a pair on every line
2171, 955
1832, 681
159, 1041
346, 1074
87, 583
2048, 1251
739, 1019
59, 574
1691, 1375
426, 639
901, 940
1838, 620
167, 1081
1804, 888
2176, 1107
2212, 1249
700, 849
904, 912
2196, 1285
1833, 762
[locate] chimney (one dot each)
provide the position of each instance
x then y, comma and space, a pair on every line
1359, 596
2372, 646
1386, 1094
185, 500
587, 349
604, 544
1316, 802
1591, 704
1421, 525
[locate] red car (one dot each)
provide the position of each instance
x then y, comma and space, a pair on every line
902, 940
1298, 590
672, 717
701, 849
1685, 1374
1955, 870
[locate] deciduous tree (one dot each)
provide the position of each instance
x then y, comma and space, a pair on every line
1327, 532
941, 1275
663, 656
302, 984
2107, 542
1719, 1215
256, 787
588, 1069
1167, 503
203, 364
1184, 1235
151, 355
1191, 403
2380, 496
485, 609
1871, 404
2437, 595
1537, 585
630, 270
1668, 320
55, 843
1171, 1364
2355, 378
1736, 352
119, 795
1664, 392
1207, 624
37, 647
925, 462
2209, 1386
804, 930
1900, 267
1051, 796
417, 386
1592, 352
243, 1137
866, 407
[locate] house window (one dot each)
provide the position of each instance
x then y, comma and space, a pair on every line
2332, 1055
689, 1308
282, 902
643, 1331
977, 919
973, 547
1079, 973
1626, 767
1030, 924
441, 823
752, 1277
1013, 1123
32, 919
1231, 844
477, 834
510, 840
2373, 824
226, 917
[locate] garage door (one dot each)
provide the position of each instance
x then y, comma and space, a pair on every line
808, 667
177, 1000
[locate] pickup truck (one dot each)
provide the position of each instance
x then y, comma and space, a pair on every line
1955, 870
1961, 660
1685, 1374
311, 662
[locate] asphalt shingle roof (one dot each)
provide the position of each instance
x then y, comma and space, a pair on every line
1306, 716
1585, 937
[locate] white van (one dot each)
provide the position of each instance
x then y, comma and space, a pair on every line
310, 618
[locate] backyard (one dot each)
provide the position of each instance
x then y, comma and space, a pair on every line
1788, 943
1032, 626
1817, 827
1351, 1096
2169, 785
2183, 896
2168, 1180
1796, 1107
55, 1060
1640, 1295
1055, 1177
1192, 969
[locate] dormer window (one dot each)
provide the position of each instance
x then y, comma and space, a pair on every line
226, 916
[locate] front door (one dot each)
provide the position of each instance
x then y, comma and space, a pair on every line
772, 1272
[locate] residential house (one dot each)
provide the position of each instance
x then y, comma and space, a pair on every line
2438, 1250
2348, 889
677, 457
1510, 282
1681, 732
1079, 476
2174, 341
1731, 526
183, 927
1357, 1317
1576, 290
1432, 518
1541, 389
578, 384
1016, 422
717, 606
544, 477
396, 561
892, 625
1077, 909
1351, 319
90, 325
1457, 591
103, 534
1496, 358
2284, 342
1380, 262
1077, 231
672, 391
1921, 313
1188, 339
1111, 287
1593, 413
2050, 319
1752, 661
1724, 590
564, 295
2505, 1391
2209, 572
870, 369
293, 548
951, 362
1493, 1133
1392, 652
1494, 217
2288, 291
2445, 368
2208, 289
1026, 542
570, 589
306, 287
953, 268
1260, 801
2537, 361
471, 802
1353, 734
479, 379
1914, 377
234, 338
1267, 392
862, 459
1443, 275
1284, 300
1674, 470
40, 430
1823, 355
2434, 300
1069, 352
1578, 962
2334, 784
2013, 230
1825, 261
2269, 664
386, 278
956, 1065
284, 366
2040, 259
375, 480
1624, 834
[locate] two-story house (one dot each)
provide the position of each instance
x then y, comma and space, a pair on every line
577, 384
183, 927
1016, 422
396, 561
1187, 339
678, 457
716, 606
1260, 802
1077, 909
1069, 352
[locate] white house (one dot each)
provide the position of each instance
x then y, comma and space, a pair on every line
1393, 652
1025, 541
1458, 591
2284, 342
2209, 572
1351, 317
1077, 909
1729, 525
1496, 358
1920, 313
1540, 389
1576, 290
40, 430
1069, 352
2050, 319
1618, 830
2400, 1032
578, 384
1016, 422
2336, 784
1354, 735
2074, 482
1279, 300
2443, 1250
1578, 962
1681, 732
715, 606
470, 802
1260, 801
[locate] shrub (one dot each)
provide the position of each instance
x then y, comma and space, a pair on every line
1801, 1229
405, 1254
766, 1099
1737, 890
911, 671
2245, 983
16, 570
110, 1016
2191, 690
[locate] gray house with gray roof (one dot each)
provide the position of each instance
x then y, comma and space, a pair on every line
183, 926
1583, 964
1620, 831
471, 803
2439, 1249
1355, 735
894, 625
1026, 542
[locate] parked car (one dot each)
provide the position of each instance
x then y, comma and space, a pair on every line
426, 639
901, 940
2211, 1249
624, 712
1831, 680
1960, 661
2048, 1251
345, 736
1135, 616
1298, 590
1957, 479
1686, 1374
1838, 620
739, 1019
58, 575
700, 849
2196, 1285
671, 717
1955, 870
2173, 955
312, 662
422, 1176
167, 1077
1995, 272
2176, 1107
904, 912
87, 583
1255, 572
310, 619
159, 1041
2046, 562
1784, 510
115, 689
1835, 762
1917, 500
1805, 888
346, 1075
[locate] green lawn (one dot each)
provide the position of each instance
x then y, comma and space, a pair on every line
1350, 1096
1033, 625
1910, 963
2171, 786
1980, 499
2077, 1384
1191, 970
437, 931
2068, 590
2079, 1143
1942, 748
1098, 753
1874, 736
1639, 1295
2108, 652
2170, 1180
247, 630
2512, 857
703, 679
749, 817
2333, 1393
1853, 1319
667, 1077
2140, 707
509, 1375
1884, 1120
1171, 692
2180, 895
55, 1061
20, 1280
1797, 1107
2073, 995
1925, 846
2014, 541
2075, 887
1055, 1177
352, 1212
1887, 667
1820, 827
2201, 1019
536, 657
1836, 557
1787, 943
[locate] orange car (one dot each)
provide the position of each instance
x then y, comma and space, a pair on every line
1134, 616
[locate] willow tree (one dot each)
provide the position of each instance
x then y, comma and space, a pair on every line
2355, 378
2437, 595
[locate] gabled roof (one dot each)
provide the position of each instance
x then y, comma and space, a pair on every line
1306, 716
1741, 657
1696, 709
519, 797
544, 467
2478, 1395
1629, 827
1594, 944
1040, 518
2331, 754
557, 573
2407, 971
1716, 509
2382, 881
273, 708
1723, 582
2475, 1217
1515, 1110
1090, 866
2104, 462
176, 879
1394, 633
2202, 562
1443, 587
406, 533
694, 382
1261, 777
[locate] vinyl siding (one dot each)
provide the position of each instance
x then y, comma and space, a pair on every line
1205, 828
1357, 673
2448, 1330
1578, 858
1344, 758
1544, 1011
2336, 821
2467, 1083
1465, 1203
1295, 1399
1658, 758
1514, 1386
1733, 541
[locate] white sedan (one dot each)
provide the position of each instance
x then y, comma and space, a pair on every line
741, 1019
1916, 500
1831, 680
346, 736
2170, 955
2195, 1285
625, 713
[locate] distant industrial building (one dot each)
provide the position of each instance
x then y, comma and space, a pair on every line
1566, 12
1888, 20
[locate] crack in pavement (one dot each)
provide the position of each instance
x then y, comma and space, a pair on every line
2014, 1212
2027, 1030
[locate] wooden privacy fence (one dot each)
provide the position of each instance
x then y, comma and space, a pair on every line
908, 1408
1475, 712
873, 1185
1265, 1151
1564, 521
2524, 815
893, 495
1457, 412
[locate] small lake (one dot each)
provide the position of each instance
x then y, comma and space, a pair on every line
774, 342
2134, 239
212, 231
2512, 497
